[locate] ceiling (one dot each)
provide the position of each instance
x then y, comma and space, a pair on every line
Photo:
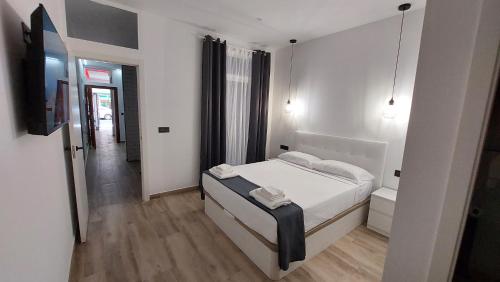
99, 64
271, 23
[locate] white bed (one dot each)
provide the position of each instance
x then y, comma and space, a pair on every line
321, 196
332, 206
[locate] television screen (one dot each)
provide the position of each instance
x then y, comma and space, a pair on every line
48, 105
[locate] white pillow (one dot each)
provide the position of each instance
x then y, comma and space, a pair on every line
299, 158
349, 171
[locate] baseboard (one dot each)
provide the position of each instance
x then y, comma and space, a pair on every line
173, 192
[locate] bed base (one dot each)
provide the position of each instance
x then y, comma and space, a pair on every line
263, 255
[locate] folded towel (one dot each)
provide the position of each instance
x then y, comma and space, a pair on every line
270, 204
223, 168
222, 175
271, 193
267, 197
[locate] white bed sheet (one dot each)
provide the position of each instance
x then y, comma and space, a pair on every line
321, 196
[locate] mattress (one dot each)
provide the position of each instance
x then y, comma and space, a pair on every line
321, 196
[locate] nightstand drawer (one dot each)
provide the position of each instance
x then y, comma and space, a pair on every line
381, 205
379, 222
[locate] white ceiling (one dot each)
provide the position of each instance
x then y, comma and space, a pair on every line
271, 23
99, 64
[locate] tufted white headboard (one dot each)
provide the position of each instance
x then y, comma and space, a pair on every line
369, 155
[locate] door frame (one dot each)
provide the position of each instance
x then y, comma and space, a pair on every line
103, 53
116, 109
493, 94
77, 162
89, 110
481, 89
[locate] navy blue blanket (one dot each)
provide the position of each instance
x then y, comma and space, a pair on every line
290, 219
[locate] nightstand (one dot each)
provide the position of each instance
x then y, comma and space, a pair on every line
381, 210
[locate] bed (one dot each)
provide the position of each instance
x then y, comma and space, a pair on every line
332, 206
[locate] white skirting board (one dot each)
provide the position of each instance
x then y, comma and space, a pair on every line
266, 259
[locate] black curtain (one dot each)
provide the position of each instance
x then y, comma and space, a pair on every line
213, 105
257, 131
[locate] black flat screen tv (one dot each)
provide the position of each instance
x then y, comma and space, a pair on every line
48, 91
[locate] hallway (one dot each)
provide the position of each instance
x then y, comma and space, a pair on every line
110, 178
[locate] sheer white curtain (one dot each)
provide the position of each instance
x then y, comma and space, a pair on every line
239, 73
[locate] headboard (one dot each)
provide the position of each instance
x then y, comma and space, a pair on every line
369, 155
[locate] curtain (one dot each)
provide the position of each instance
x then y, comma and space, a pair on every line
257, 131
239, 72
213, 110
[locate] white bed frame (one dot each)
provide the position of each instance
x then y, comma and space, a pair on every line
369, 155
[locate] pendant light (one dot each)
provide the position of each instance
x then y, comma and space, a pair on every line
289, 106
390, 111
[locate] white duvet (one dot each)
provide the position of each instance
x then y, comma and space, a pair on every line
321, 196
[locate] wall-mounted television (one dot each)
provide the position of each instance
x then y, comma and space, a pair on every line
47, 62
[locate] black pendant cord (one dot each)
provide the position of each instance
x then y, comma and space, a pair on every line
391, 102
290, 75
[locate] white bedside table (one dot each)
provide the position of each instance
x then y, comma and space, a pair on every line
381, 210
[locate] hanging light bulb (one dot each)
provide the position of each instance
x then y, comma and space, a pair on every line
289, 107
390, 109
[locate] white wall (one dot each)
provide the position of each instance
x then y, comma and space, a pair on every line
171, 53
342, 82
452, 89
172, 58
36, 233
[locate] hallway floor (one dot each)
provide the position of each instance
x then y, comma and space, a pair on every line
110, 178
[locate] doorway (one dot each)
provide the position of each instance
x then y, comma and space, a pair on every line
101, 105
479, 254
105, 92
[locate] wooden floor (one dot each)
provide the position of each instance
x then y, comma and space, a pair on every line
110, 178
171, 239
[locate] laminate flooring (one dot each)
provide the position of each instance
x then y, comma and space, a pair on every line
171, 239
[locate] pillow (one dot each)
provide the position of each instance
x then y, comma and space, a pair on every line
346, 170
299, 158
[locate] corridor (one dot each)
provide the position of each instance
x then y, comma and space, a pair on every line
110, 178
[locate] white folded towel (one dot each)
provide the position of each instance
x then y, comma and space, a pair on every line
223, 168
271, 193
222, 174
270, 204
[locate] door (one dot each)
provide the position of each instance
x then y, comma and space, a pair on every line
75, 134
89, 107
116, 115
131, 109
479, 255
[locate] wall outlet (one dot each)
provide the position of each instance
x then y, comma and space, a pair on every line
284, 147
163, 129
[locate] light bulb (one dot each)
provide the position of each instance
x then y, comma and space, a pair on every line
390, 110
288, 107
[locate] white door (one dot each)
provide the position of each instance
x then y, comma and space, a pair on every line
75, 134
